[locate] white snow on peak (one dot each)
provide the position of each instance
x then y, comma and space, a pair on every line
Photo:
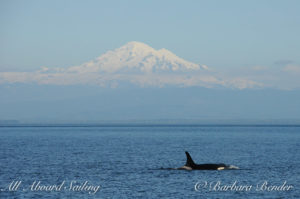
134, 63
137, 57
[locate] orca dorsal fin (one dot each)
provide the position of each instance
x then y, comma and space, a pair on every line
189, 160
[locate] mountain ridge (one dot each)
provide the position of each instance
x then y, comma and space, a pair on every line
138, 57
133, 63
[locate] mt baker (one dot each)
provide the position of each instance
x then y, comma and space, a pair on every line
137, 57
134, 63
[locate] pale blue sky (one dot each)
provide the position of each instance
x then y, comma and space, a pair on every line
216, 33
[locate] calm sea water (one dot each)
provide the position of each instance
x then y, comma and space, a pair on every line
133, 161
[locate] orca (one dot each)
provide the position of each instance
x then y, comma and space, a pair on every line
190, 165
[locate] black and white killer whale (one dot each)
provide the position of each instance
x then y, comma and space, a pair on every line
190, 165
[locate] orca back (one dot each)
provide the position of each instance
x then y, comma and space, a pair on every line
190, 165
189, 160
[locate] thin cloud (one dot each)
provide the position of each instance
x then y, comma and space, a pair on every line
292, 68
103, 79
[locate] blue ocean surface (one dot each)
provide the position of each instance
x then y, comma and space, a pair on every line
135, 161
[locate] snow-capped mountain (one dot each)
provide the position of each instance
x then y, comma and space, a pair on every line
137, 57
134, 63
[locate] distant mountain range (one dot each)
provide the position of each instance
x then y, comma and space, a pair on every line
138, 83
135, 63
